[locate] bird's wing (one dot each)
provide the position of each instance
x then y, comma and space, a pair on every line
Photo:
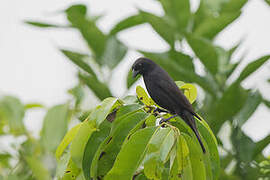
171, 89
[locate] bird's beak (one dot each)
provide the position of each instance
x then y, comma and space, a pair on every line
134, 73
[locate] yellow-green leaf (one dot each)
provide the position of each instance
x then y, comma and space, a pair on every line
66, 140
190, 91
143, 96
38, 169
80, 140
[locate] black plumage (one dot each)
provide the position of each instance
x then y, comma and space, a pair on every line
163, 90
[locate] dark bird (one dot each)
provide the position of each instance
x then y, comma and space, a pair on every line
163, 90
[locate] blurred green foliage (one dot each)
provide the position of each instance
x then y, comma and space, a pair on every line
224, 102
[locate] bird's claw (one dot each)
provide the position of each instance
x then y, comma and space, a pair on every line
163, 121
160, 110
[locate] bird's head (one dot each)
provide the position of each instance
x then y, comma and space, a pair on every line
141, 66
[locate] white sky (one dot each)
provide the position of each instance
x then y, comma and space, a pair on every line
32, 68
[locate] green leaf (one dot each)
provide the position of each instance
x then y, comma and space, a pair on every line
72, 171
253, 101
123, 112
54, 127
38, 170
94, 37
211, 26
243, 145
33, 105
143, 96
92, 145
130, 99
100, 89
78, 94
131, 155
227, 106
12, 112
182, 60
233, 6
190, 91
252, 67
43, 24
78, 59
90, 125
210, 158
121, 128
267, 1
260, 146
79, 142
114, 52
130, 80
212, 154
160, 26
67, 140
205, 51
196, 159
179, 11
182, 160
157, 153
126, 23
5, 159
99, 114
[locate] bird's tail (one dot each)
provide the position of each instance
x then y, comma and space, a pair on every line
189, 119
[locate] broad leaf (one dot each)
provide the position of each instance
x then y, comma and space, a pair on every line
211, 26
160, 26
38, 170
179, 11
67, 140
131, 155
115, 140
129, 22
252, 102
205, 51
100, 89
89, 126
157, 153
261, 145
12, 112
78, 59
143, 97
114, 52
243, 145
190, 91
92, 145
54, 126
196, 159
94, 37
227, 106
79, 142
252, 67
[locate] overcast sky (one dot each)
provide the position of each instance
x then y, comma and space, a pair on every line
32, 68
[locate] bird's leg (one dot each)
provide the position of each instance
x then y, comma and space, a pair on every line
160, 110
165, 120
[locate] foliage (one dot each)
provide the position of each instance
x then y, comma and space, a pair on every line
120, 140
224, 101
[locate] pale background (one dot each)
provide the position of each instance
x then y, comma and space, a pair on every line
32, 68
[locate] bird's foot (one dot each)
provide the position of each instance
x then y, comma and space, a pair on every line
160, 110
165, 120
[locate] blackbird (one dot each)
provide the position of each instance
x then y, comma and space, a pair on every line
163, 90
